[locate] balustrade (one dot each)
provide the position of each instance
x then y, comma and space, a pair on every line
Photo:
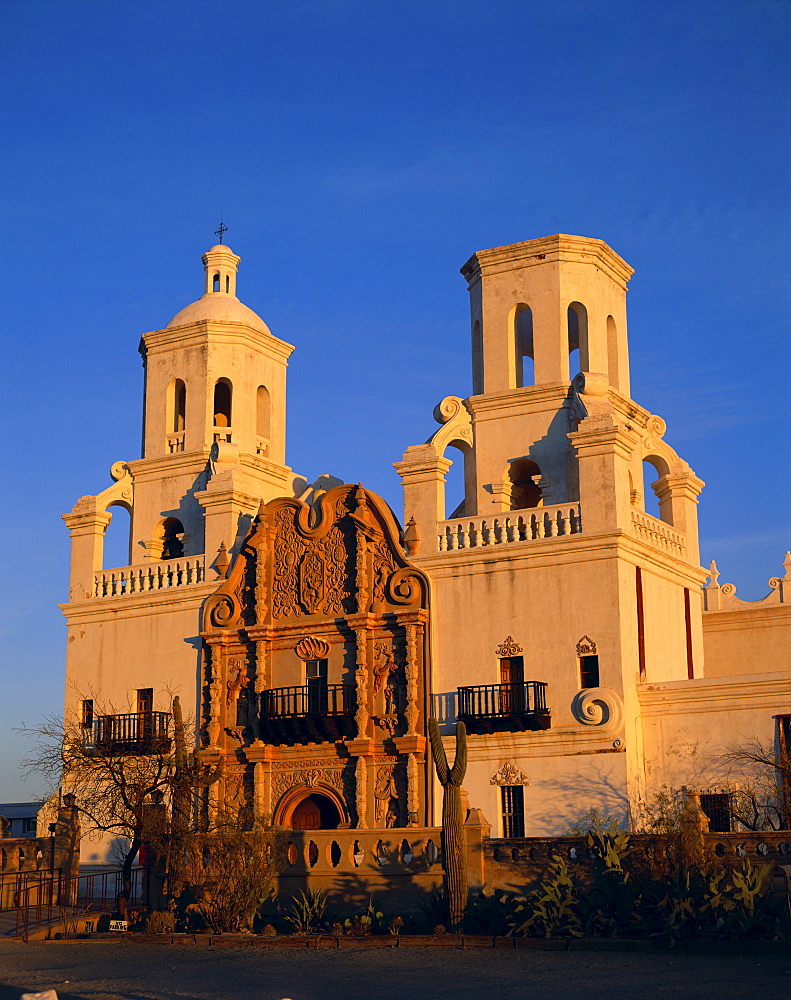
148, 577
516, 526
141, 732
658, 533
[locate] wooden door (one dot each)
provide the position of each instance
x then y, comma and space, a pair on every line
306, 816
512, 679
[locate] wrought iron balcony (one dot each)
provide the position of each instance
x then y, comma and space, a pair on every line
309, 714
137, 732
497, 708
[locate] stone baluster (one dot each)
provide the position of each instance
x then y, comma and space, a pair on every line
412, 790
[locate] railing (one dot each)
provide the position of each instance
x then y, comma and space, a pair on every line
658, 533
58, 899
488, 708
502, 529
222, 434
148, 577
175, 442
325, 711
137, 732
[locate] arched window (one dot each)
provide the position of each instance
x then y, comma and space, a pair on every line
176, 406
653, 469
523, 345
227, 283
612, 353
170, 533
477, 359
116, 550
222, 403
578, 338
525, 491
215, 282
263, 412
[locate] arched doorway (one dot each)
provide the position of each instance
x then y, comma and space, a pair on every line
316, 812
311, 809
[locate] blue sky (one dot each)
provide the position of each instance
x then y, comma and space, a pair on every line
360, 152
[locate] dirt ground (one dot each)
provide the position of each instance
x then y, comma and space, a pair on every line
85, 970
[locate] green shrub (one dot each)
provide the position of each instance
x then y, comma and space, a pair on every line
161, 922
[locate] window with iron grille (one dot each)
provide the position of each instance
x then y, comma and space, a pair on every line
512, 798
784, 764
717, 806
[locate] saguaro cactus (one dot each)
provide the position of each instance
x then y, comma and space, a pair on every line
452, 819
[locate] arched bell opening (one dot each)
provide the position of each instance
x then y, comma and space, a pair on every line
525, 491
311, 809
168, 540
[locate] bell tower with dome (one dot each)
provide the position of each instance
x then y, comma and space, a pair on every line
213, 450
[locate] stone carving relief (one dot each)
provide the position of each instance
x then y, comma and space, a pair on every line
508, 648
312, 648
385, 688
235, 679
319, 771
386, 795
310, 575
509, 774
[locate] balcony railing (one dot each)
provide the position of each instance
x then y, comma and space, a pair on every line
513, 526
490, 708
137, 732
146, 577
313, 713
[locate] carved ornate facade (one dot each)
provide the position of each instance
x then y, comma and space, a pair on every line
324, 587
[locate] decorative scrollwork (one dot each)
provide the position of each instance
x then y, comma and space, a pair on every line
223, 612
404, 587
586, 646
509, 774
508, 648
598, 706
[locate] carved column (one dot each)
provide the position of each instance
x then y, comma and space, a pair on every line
412, 674
262, 792
213, 726
260, 684
412, 790
361, 715
361, 792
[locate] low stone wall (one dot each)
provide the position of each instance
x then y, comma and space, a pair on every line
28, 860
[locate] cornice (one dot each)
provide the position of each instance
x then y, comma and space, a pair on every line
560, 248
213, 332
527, 399
738, 618
97, 609
771, 691
565, 741
536, 553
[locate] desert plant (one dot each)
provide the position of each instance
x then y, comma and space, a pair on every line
365, 923
308, 911
268, 930
395, 925
229, 874
161, 922
455, 858
554, 906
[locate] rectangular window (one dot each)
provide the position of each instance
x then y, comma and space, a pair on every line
512, 798
589, 671
87, 713
29, 825
316, 680
717, 806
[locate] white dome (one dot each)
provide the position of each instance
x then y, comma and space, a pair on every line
221, 308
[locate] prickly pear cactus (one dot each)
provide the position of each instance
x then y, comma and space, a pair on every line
452, 819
